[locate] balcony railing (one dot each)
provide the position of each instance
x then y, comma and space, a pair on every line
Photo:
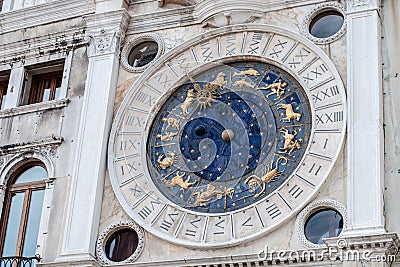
18, 261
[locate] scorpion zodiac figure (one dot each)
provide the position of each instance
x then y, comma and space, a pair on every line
253, 181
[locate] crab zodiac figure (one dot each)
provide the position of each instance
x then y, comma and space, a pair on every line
271, 175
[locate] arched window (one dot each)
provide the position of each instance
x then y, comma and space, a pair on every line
22, 211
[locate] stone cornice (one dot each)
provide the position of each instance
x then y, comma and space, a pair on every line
49, 44
44, 13
27, 146
198, 13
32, 108
355, 6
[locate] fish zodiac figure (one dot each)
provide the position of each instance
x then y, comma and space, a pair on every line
178, 180
249, 71
290, 114
271, 175
242, 83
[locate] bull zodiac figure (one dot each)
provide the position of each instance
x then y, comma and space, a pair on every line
290, 114
178, 180
271, 175
290, 142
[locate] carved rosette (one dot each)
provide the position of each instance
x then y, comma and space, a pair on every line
309, 210
109, 231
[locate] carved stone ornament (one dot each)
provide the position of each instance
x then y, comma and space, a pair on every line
358, 4
104, 41
312, 208
318, 10
132, 42
231, 18
109, 231
161, 3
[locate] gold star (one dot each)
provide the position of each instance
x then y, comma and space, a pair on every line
219, 169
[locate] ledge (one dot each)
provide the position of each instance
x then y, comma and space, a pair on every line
37, 107
17, 147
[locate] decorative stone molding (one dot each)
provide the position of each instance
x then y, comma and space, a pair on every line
318, 10
231, 18
111, 229
361, 5
309, 210
106, 31
132, 42
33, 108
161, 3
28, 146
42, 48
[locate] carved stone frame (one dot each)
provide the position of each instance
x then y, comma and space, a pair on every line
318, 10
132, 42
311, 209
109, 231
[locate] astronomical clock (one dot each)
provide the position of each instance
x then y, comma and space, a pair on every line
227, 136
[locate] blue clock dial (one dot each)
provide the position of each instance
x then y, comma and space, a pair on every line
228, 136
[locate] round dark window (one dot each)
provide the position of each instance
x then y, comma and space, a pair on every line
323, 224
326, 24
143, 53
121, 245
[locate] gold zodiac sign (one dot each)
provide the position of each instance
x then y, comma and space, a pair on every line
191, 96
242, 83
290, 142
290, 114
178, 180
171, 122
228, 192
218, 82
250, 72
167, 137
276, 88
203, 197
165, 162
253, 181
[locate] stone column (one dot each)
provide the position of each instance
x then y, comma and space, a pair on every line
85, 194
365, 143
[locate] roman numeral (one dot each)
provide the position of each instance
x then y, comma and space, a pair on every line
192, 232
295, 191
324, 94
315, 170
329, 117
146, 210
218, 224
247, 223
128, 144
314, 74
145, 99
278, 48
206, 51
255, 42
130, 166
299, 58
183, 62
135, 190
230, 44
134, 121
168, 221
273, 211
163, 79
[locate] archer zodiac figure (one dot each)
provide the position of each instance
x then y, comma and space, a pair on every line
277, 89
203, 197
178, 180
271, 175
290, 114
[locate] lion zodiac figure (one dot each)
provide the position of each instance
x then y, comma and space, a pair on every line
179, 181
